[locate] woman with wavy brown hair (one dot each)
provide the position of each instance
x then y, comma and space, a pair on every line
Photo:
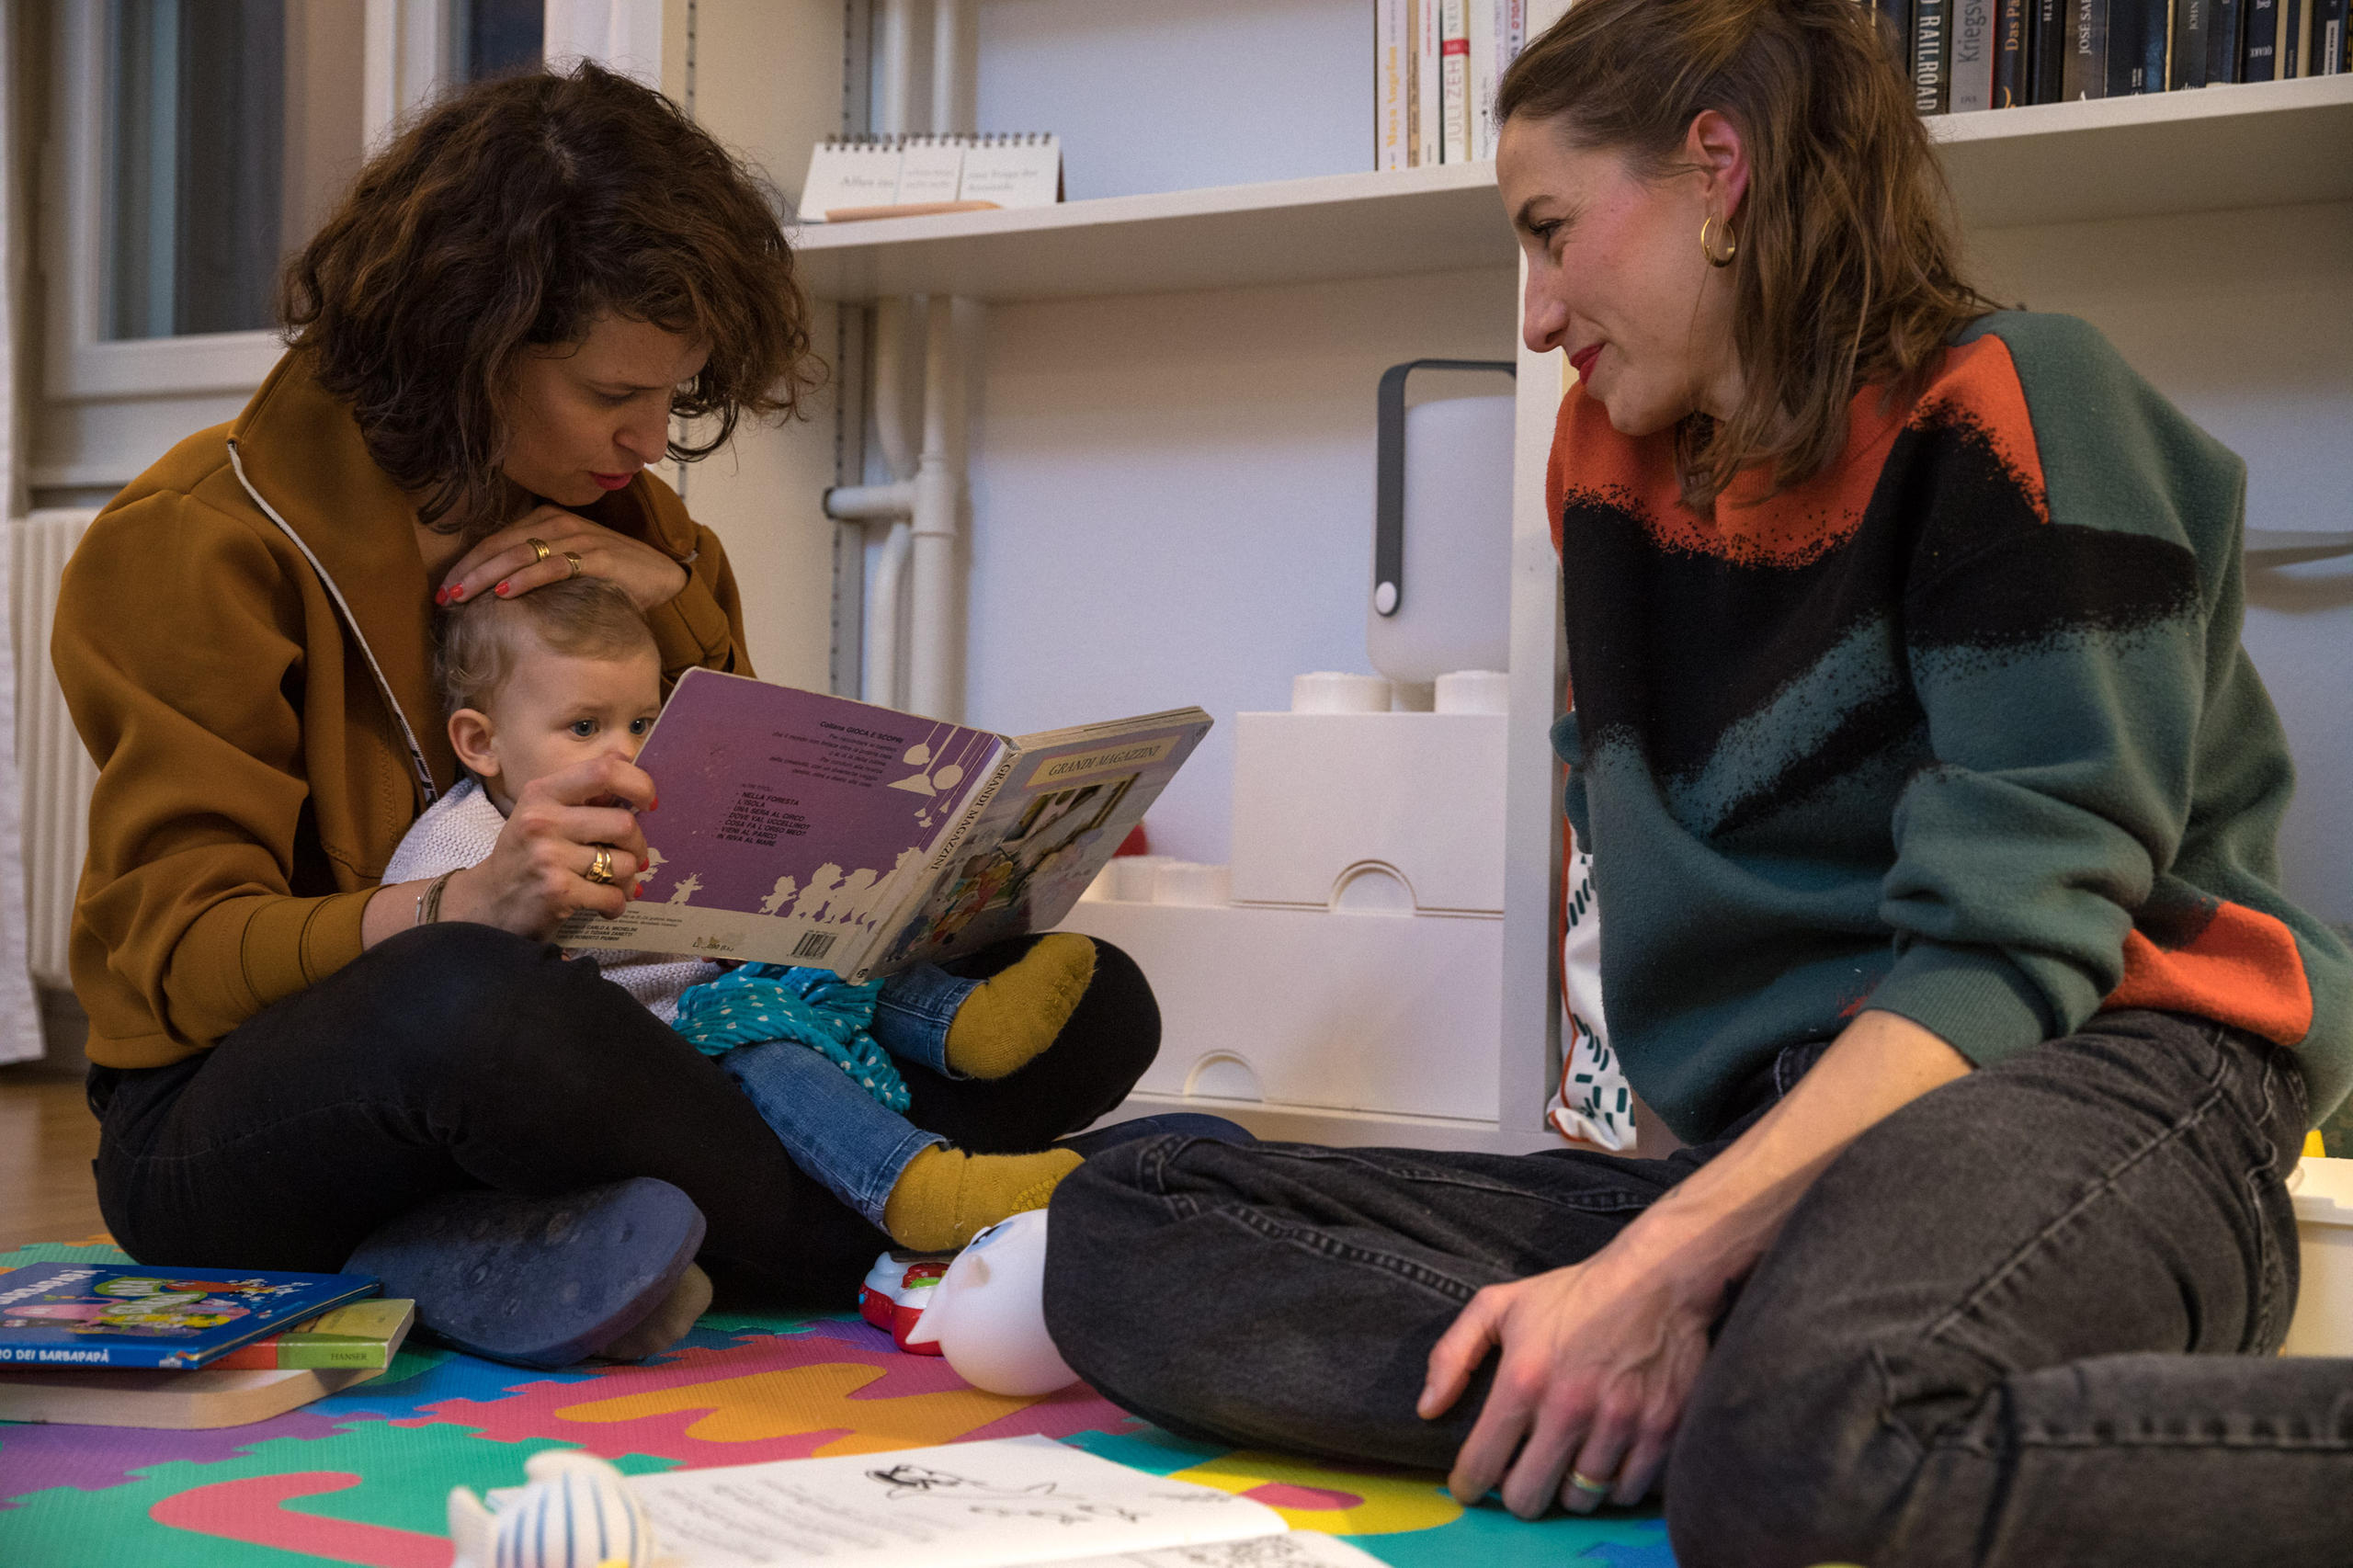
489, 343
1933, 807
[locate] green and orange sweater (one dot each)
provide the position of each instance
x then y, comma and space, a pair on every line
1960, 729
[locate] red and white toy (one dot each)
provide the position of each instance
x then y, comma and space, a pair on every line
896, 1290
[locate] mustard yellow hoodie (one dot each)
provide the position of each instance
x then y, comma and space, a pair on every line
258, 695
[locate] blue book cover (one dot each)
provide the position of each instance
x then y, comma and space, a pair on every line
89, 1314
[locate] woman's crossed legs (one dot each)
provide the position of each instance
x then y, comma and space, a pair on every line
1967, 1347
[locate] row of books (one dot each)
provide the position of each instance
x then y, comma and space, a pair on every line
1976, 54
1436, 66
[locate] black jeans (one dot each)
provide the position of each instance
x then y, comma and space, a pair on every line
458, 1057
2027, 1320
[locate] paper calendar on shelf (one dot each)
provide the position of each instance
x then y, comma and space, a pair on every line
881, 177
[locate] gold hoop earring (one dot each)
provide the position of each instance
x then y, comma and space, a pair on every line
1731, 244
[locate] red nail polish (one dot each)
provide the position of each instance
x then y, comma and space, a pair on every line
654, 804
440, 595
500, 590
457, 595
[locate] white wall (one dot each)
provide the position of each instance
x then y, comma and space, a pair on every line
1172, 502
2246, 320
1164, 95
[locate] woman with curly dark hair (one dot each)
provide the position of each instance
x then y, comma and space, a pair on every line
293, 1062
1933, 805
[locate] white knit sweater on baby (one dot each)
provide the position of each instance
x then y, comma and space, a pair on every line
458, 831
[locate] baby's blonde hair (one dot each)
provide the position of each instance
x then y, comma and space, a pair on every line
481, 640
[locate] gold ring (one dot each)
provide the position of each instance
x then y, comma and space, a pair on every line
601, 870
573, 557
540, 551
1587, 1484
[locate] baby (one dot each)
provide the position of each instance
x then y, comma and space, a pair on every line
536, 684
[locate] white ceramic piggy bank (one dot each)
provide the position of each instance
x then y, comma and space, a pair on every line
576, 1512
988, 1311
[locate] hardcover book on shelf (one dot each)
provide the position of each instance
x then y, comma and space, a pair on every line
801, 828
86, 1314
1454, 81
1428, 90
1970, 79
2048, 41
2224, 40
2186, 62
2328, 37
1392, 69
1931, 51
2137, 31
2259, 60
2087, 73
1895, 26
2295, 18
2013, 54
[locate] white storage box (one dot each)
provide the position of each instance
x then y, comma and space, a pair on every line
1318, 794
1382, 1013
2324, 1321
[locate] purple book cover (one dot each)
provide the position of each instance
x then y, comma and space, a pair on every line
792, 823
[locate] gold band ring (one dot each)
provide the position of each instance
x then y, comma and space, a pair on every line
1587, 1484
601, 870
540, 551
573, 557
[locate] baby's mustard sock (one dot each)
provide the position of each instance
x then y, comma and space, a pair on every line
945, 1196
1016, 1012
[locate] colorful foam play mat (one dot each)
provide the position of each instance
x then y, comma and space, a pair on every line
364, 1477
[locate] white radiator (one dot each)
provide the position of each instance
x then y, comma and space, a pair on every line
57, 773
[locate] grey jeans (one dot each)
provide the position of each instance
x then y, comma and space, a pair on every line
2027, 1320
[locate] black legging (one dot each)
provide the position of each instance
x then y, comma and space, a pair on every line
458, 1057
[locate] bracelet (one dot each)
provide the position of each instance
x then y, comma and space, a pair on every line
428, 902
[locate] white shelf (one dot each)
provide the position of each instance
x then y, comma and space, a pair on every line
2259, 145
1372, 224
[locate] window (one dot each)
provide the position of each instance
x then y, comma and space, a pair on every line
205, 140
233, 125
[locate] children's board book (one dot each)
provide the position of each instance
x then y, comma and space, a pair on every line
799, 828
365, 1333
85, 1314
177, 1402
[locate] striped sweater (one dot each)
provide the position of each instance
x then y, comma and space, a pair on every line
1960, 729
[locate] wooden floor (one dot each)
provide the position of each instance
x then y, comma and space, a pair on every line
46, 1140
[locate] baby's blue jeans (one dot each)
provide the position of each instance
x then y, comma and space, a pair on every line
833, 1128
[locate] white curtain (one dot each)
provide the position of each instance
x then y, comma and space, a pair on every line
19, 1013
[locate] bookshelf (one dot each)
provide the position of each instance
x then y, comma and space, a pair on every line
2259, 145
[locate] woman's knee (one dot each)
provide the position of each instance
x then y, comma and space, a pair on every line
1118, 1018
469, 999
1784, 1456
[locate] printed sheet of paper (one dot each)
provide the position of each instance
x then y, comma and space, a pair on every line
1002, 1503
1299, 1549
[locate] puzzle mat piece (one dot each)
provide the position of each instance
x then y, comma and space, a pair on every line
1404, 1517
370, 1493
837, 1389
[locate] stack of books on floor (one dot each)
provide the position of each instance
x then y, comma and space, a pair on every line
1974, 55
123, 1344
